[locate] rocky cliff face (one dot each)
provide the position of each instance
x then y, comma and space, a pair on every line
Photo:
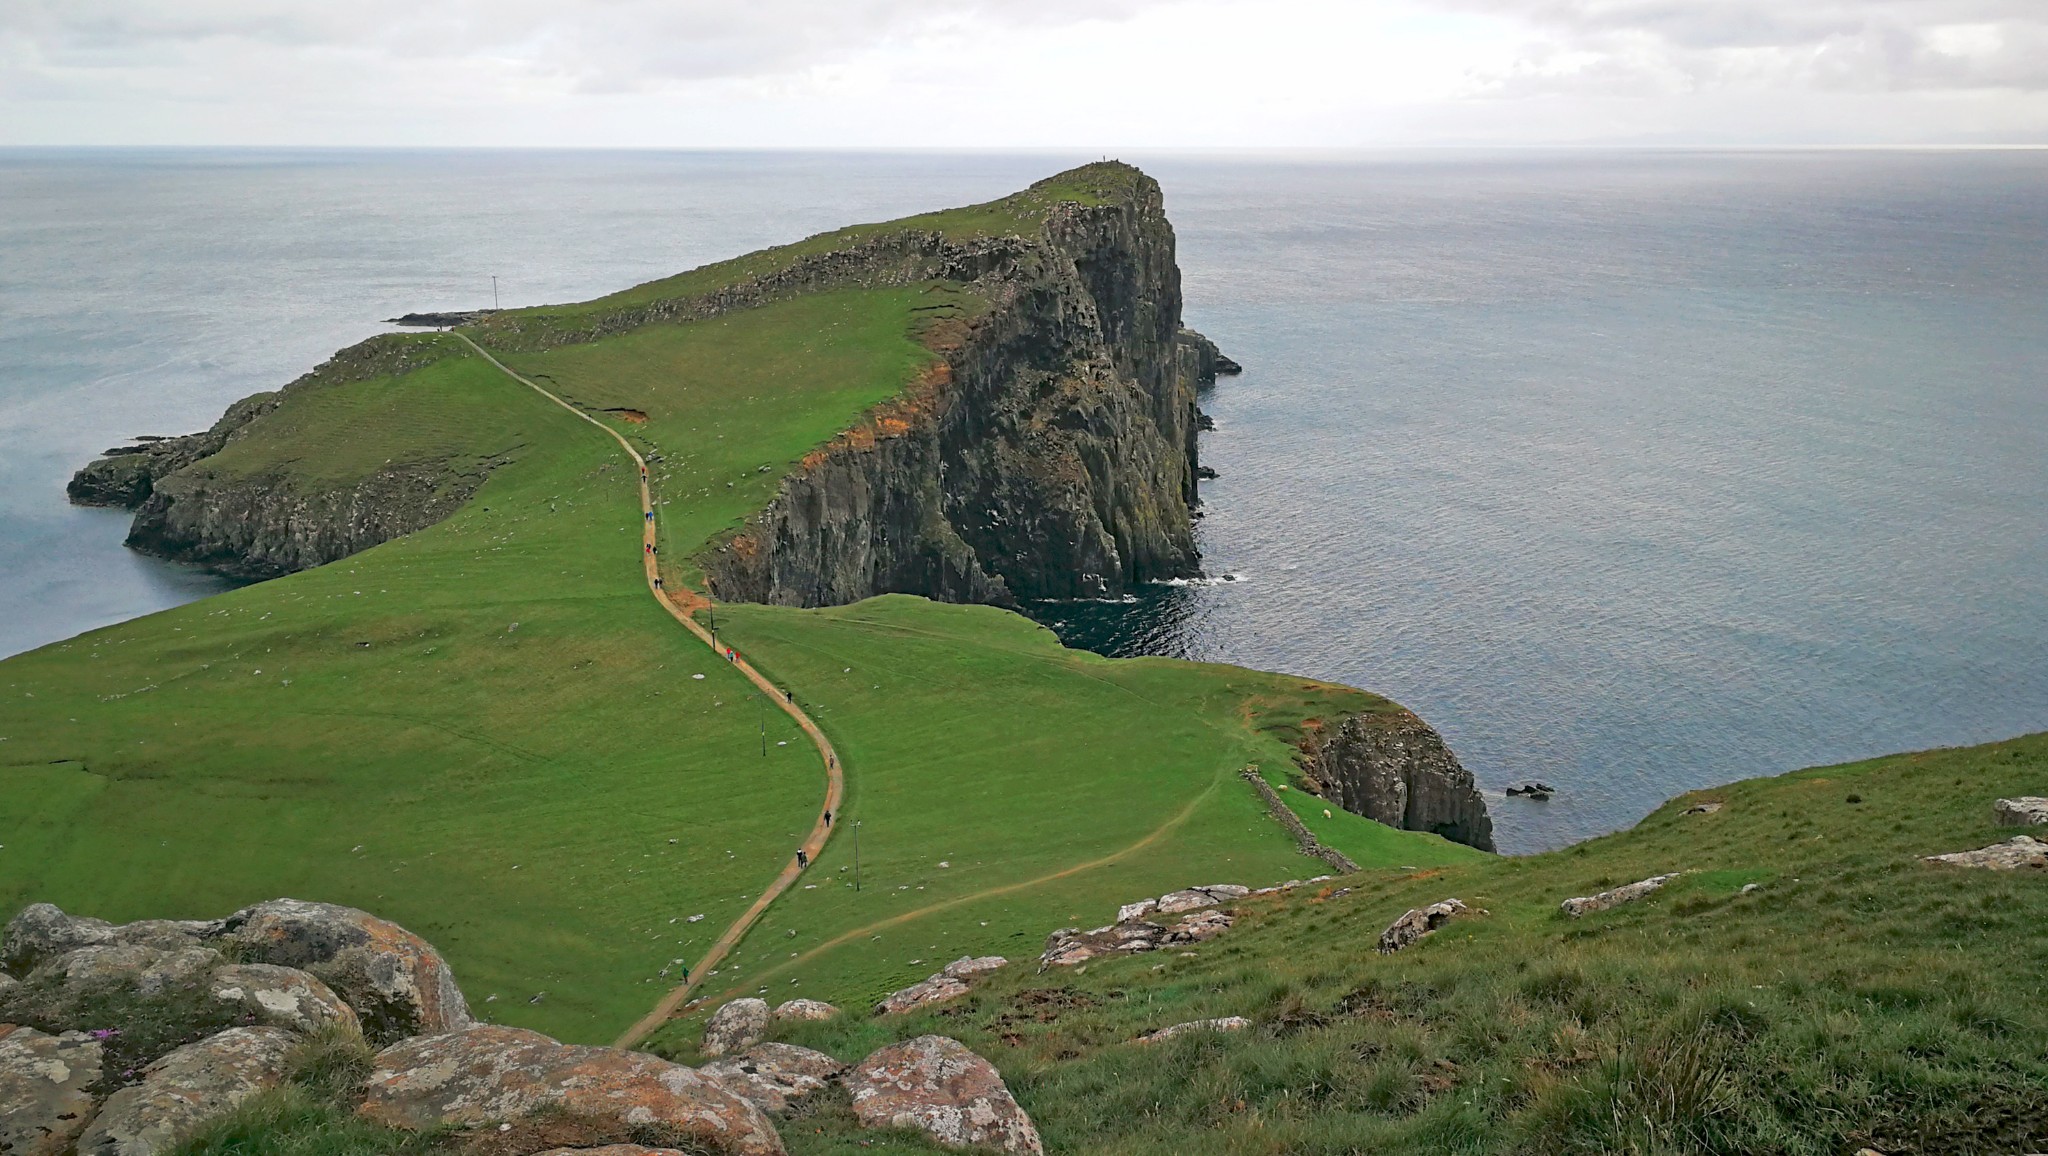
262, 525
1050, 454
1393, 768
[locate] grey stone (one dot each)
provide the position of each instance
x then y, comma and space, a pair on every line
1417, 923
187, 1088
1222, 1024
774, 1076
1176, 902
937, 989
1138, 910
966, 967
2025, 811
46, 1089
1586, 905
735, 1027
2021, 852
485, 1074
42, 932
397, 983
938, 1086
805, 1009
282, 997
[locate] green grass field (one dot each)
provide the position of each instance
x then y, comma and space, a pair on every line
488, 731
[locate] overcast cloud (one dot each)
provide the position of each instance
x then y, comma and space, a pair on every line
996, 73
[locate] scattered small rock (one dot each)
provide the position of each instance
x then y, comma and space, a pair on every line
1224, 1024
1702, 809
185, 1089
967, 967
1417, 923
2017, 853
2025, 811
937, 989
936, 1085
1586, 905
735, 1027
46, 1084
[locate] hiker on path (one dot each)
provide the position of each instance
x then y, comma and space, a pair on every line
802, 860
657, 581
828, 818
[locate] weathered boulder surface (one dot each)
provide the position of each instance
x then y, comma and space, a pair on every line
938, 1086
735, 1027
42, 931
282, 997
1391, 767
1221, 1024
2021, 852
397, 983
2025, 811
1192, 898
1417, 923
774, 1076
1070, 945
1138, 910
805, 1009
483, 1074
185, 1089
1587, 904
937, 989
615, 1150
150, 971
46, 1089
967, 967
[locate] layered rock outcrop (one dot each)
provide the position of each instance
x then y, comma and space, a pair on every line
1391, 767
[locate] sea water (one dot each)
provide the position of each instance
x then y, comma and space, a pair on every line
1630, 472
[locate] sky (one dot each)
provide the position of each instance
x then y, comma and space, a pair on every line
1007, 74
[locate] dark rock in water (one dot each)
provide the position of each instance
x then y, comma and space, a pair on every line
1204, 422
1225, 367
1207, 473
1538, 791
1391, 767
438, 320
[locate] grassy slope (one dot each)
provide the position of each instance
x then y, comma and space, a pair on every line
513, 791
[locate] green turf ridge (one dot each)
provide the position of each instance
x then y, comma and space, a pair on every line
488, 732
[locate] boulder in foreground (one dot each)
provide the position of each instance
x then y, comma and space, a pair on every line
772, 1077
46, 1089
735, 1027
936, 1085
186, 1089
485, 1074
397, 983
2025, 811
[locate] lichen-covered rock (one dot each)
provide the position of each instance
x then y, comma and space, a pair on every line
282, 997
42, 931
924, 993
1222, 1024
2025, 811
1138, 910
150, 971
938, 1086
484, 1074
967, 967
1391, 767
46, 1090
397, 983
1193, 898
805, 1009
735, 1027
1070, 945
2021, 852
615, 1150
774, 1076
1197, 928
185, 1089
1418, 922
1587, 904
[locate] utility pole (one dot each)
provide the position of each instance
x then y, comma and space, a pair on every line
856, 854
494, 293
763, 700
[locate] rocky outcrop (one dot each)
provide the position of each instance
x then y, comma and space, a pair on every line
1391, 767
262, 524
936, 1085
1049, 454
735, 1027
773, 1077
1070, 946
1416, 923
1588, 904
486, 1074
397, 983
42, 931
2021, 852
187, 1088
2025, 811
949, 982
46, 1089
1220, 1024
